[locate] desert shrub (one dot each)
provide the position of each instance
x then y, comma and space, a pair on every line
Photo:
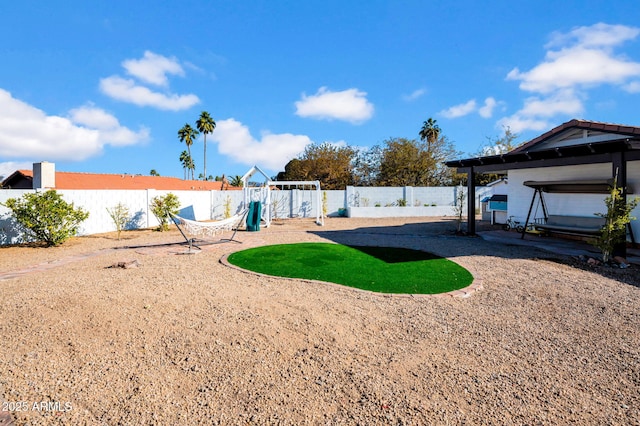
120, 216
161, 206
46, 217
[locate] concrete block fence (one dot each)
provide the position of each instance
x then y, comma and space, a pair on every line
211, 205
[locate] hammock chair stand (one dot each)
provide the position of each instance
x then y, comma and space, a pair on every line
181, 224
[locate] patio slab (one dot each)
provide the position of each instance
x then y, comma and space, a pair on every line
551, 244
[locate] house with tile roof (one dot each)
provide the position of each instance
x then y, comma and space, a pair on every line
44, 176
564, 172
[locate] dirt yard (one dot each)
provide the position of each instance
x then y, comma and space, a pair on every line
182, 339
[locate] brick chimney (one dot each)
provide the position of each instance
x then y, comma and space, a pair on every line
44, 175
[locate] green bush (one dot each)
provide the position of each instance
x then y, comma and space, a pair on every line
162, 206
617, 217
46, 217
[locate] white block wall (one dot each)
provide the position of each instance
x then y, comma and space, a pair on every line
206, 205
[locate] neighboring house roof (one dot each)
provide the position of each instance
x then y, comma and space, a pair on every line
20, 179
573, 142
71, 180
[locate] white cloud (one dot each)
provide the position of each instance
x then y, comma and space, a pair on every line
348, 105
128, 91
575, 63
272, 151
597, 35
471, 106
153, 68
459, 110
561, 103
414, 95
538, 112
577, 66
633, 87
585, 58
150, 69
28, 132
486, 111
519, 124
111, 131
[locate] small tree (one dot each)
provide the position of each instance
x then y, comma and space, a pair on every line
461, 196
120, 215
162, 206
325, 204
46, 217
227, 207
617, 217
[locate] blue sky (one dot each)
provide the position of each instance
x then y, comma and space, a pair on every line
104, 86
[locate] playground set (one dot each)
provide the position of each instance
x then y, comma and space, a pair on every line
257, 208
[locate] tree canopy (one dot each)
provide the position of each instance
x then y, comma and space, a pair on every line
397, 162
331, 164
408, 162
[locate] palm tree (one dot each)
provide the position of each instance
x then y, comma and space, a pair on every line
186, 163
430, 132
236, 180
205, 125
187, 135
191, 166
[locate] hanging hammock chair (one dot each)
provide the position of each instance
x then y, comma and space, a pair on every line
208, 229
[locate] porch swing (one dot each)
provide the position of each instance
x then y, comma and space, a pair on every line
537, 221
584, 226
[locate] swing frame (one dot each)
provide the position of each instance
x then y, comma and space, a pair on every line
313, 183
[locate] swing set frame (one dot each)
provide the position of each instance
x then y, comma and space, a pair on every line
263, 193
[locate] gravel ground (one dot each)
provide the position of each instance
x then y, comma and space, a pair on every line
183, 339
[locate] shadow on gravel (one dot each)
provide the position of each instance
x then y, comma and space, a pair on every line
441, 238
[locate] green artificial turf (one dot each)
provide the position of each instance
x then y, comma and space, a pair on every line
379, 269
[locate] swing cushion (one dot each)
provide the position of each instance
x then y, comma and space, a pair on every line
576, 225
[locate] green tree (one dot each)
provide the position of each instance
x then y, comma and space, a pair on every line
188, 134
404, 162
162, 206
330, 164
430, 132
407, 162
153, 172
366, 166
205, 125
617, 217
46, 217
